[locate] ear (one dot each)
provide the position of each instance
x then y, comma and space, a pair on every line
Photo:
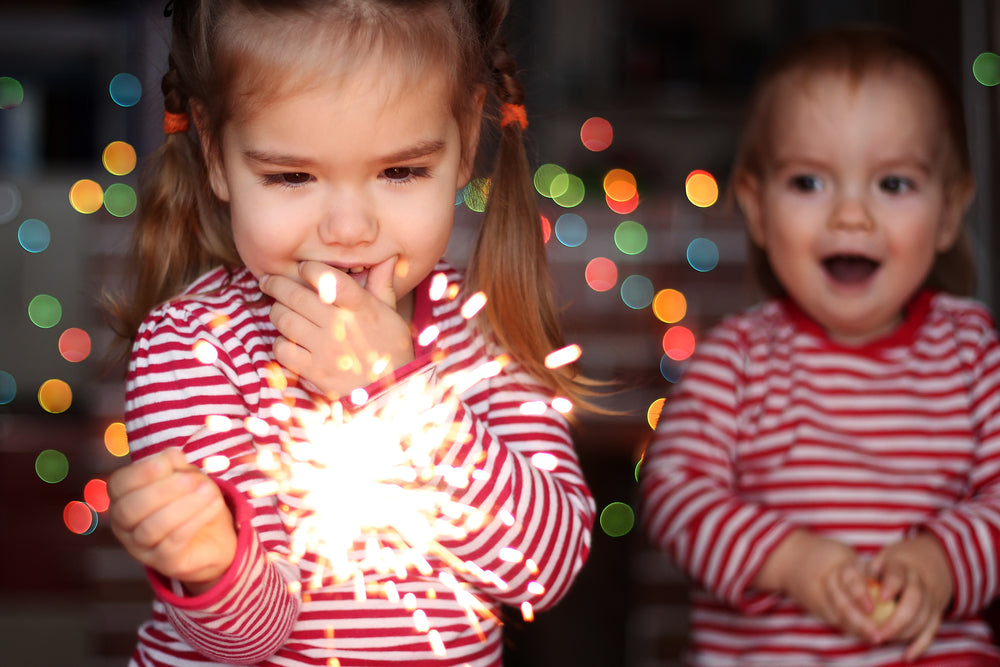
210, 153
471, 127
748, 195
959, 197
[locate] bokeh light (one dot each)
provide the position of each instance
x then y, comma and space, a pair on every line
55, 396
653, 412
571, 230
34, 235
671, 370
51, 466
45, 311
631, 237
546, 229
637, 292
620, 185
623, 207
986, 68
568, 190
119, 158
116, 439
702, 255
74, 345
601, 274
11, 93
544, 176
596, 134
701, 188
10, 202
8, 388
95, 493
477, 194
79, 517
120, 200
617, 519
125, 89
86, 196
669, 306
678, 343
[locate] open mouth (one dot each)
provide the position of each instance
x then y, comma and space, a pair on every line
850, 269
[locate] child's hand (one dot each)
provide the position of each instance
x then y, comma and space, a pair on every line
338, 335
825, 577
172, 518
914, 572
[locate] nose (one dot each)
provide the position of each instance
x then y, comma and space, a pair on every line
348, 219
850, 213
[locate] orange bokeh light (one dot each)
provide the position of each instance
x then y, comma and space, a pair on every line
620, 185
116, 439
669, 306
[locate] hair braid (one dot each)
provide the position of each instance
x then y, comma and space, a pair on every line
508, 262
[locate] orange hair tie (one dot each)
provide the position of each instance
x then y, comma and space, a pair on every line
513, 113
175, 122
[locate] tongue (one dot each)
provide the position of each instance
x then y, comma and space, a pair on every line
850, 269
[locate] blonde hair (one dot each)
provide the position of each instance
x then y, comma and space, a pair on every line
228, 55
856, 52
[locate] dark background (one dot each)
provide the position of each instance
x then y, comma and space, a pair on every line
670, 75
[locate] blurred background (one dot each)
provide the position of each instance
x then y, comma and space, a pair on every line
634, 107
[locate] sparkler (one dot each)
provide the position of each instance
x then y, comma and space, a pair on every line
385, 457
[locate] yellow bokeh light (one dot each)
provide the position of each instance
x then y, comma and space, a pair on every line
55, 396
86, 196
119, 158
669, 306
701, 188
116, 439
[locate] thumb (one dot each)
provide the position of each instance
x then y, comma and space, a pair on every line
380, 281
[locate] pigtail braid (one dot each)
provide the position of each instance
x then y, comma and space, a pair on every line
508, 262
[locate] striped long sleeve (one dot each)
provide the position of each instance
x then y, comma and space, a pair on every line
203, 377
775, 427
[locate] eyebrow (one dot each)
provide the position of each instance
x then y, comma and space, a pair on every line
418, 150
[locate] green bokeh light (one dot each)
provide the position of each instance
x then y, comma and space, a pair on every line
11, 92
120, 200
570, 190
45, 311
52, 466
631, 237
617, 519
986, 68
544, 176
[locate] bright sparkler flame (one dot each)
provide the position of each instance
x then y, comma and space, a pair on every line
384, 458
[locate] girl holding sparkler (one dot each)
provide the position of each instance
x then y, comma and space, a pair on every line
828, 470
302, 353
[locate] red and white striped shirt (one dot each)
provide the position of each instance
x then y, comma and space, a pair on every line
775, 427
267, 610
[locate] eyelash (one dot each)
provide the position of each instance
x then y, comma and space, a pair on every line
281, 180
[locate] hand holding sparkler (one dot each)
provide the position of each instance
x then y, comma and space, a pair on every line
171, 517
337, 332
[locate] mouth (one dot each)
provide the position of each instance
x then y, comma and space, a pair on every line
851, 270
